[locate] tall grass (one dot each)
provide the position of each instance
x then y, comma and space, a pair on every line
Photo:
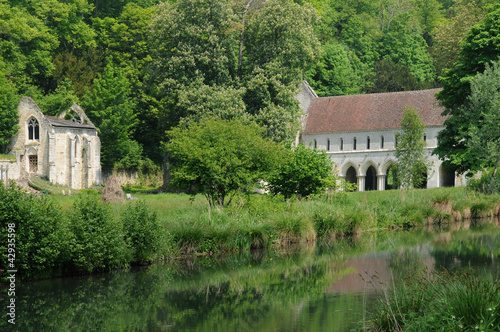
439, 301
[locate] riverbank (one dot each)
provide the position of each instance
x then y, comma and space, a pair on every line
318, 286
70, 235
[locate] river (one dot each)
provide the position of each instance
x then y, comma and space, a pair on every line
323, 286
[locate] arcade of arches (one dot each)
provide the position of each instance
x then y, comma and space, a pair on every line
369, 177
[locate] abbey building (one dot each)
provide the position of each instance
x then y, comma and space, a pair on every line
359, 134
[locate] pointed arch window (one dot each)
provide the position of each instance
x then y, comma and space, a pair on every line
315, 144
33, 129
341, 144
354, 143
382, 142
368, 143
328, 144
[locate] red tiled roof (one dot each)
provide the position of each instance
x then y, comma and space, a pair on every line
371, 111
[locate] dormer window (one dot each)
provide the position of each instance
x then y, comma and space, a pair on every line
33, 130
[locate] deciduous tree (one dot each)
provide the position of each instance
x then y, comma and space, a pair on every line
481, 45
336, 74
110, 107
412, 161
8, 112
483, 112
219, 158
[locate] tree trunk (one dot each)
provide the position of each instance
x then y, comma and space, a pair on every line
242, 39
166, 173
493, 175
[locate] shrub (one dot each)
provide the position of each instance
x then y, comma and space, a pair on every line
484, 185
40, 236
305, 172
98, 241
142, 231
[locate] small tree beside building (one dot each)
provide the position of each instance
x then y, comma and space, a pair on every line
412, 164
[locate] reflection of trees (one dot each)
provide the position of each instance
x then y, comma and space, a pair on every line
240, 293
405, 262
480, 250
265, 291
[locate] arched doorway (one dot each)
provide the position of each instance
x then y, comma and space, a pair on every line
391, 179
423, 185
446, 177
350, 175
371, 179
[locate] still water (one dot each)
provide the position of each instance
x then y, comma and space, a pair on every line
316, 287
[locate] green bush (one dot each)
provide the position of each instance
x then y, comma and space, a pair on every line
98, 239
484, 185
142, 231
40, 233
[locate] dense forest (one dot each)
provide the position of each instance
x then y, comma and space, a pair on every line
141, 67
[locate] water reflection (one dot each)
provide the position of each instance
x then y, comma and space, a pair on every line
322, 287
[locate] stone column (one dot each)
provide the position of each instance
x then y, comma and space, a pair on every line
381, 182
361, 182
72, 147
52, 158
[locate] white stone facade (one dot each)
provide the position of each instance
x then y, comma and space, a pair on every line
65, 149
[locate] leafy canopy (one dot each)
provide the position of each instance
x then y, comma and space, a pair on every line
110, 107
8, 112
219, 157
481, 46
483, 111
197, 68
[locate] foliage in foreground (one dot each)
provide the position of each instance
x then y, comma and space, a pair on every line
89, 238
441, 301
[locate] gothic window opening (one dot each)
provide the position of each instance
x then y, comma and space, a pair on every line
368, 143
328, 144
33, 129
382, 142
315, 144
341, 144
354, 144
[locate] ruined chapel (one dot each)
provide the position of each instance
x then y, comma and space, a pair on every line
64, 149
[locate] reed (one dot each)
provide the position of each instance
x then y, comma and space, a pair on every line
438, 301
